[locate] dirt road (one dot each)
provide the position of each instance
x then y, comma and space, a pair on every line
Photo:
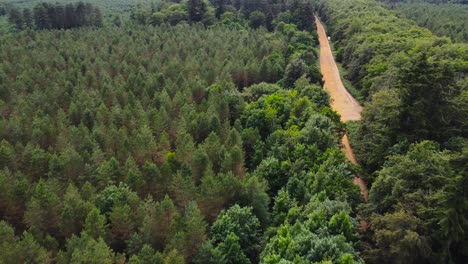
342, 101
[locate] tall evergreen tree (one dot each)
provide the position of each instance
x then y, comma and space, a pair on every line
41, 17
28, 18
15, 17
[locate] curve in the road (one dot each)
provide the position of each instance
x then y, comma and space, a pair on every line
342, 101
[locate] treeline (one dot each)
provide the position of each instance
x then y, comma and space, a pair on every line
442, 19
56, 16
171, 144
412, 138
236, 13
108, 7
427, 1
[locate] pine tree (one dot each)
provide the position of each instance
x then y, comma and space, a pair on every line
70, 18
85, 249
96, 224
20, 250
73, 213
28, 18
41, 17
191, 232
59, 17
43, 210
122, 226
80, 14
15, 17
159, 222
231, 250
97, 17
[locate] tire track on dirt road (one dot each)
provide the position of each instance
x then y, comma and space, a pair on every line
342, 101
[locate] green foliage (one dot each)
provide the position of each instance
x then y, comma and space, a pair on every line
295, 69
314, 92
166, 143
159, 222
414, 81
95, 224
210, 254
85, 249
196, 10
398, 238
20, 250
257, 19
174, 12
147, 255
43, 210
56, 16
240, 225
319, 231
107, 6
74, 213
191, 232
121, 225
380, 132
232, 251
415, 221
444, 19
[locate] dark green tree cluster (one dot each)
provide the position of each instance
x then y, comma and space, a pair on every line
174, 12
413, 135
124, 150
166, 145
56, 16
236, 13
5, 8
428, 1
443, 19
418, 207
108, 7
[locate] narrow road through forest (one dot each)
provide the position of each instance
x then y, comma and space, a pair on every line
342, 101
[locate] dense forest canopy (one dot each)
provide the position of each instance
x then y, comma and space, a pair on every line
198, 131
107, 6
397, 65
427, 1
56, 16
412, 137
444, 19
173, 143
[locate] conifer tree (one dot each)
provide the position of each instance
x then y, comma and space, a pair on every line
28, 18
15, 17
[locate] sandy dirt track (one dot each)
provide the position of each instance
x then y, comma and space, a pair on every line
342, 101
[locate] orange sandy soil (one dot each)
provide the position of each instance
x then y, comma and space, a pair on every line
342, 101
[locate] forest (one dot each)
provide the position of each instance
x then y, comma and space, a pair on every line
412, 136
196, 145
109, 7
199, 131
55, 16
444, 19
